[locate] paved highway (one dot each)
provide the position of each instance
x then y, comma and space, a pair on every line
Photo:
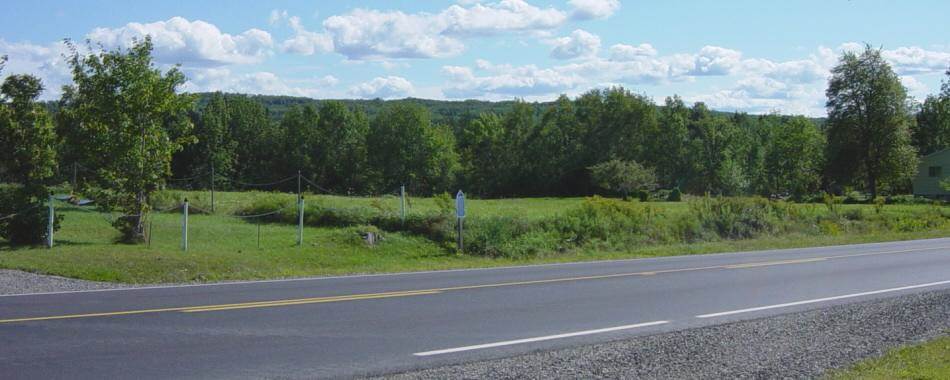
359, 325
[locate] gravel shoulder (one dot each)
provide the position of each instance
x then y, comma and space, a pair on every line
19, 282
799, 345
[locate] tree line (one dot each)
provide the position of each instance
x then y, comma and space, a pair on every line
128, 125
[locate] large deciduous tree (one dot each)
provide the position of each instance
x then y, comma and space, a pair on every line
795, 158
406, 148
868, 123
128, 120
932, 132
27, 159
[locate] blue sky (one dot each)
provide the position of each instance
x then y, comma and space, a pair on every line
754, 56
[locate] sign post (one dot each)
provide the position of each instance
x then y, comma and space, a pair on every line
460, 215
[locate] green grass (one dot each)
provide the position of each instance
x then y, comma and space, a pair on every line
930, 360
222, 247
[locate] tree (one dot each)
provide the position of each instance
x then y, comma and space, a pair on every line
932, 132
129, 120
671, 141
406, 148
214, 145
868, 123
794, 160
623, 176
27, 158
342, 148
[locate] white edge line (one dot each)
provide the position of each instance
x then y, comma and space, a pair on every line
131, 287
822, 299
538, 339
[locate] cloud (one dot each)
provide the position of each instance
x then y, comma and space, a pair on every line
43, 61
622, 52
383, 87
197, 43
370, 34
915, 60
715, 60
593, 9
305, 42
366, 34
493, 18
276, 16
507, 80
579, 44
261, 82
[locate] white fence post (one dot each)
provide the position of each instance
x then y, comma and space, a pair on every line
300, 222
184, 226
51, 222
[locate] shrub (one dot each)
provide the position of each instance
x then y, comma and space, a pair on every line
675, 195
600, 218
644, 196
733, 218
286, 211
30, 223
829, 227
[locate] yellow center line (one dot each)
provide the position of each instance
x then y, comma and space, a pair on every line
305, 301
367, 296
769, 263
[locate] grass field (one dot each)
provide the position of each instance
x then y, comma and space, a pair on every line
925, 361
224, 247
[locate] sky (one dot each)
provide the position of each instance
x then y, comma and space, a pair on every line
750, 56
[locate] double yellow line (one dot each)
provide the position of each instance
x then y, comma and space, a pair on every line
408, 293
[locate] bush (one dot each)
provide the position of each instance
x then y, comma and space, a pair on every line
644, 196
600, 219
675, 195
267, 203
30, 223
734, 218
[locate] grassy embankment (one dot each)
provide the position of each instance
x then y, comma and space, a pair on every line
498, 233
930, 360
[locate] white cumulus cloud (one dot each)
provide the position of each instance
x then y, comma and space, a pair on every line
178, 40
579, 43
383, 87
592, 9
305, 42
623, 52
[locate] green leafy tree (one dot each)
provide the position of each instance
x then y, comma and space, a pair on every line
868, 123
129, 120
623, 176
406, 148
932, 132
27, 158
342, 148
795, 158
671, 143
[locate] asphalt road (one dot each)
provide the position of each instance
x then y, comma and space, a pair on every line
363, 325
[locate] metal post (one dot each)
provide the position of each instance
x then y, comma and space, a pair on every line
184, 226
212, 187
300, 222
402, 202
49, 228
460, 246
